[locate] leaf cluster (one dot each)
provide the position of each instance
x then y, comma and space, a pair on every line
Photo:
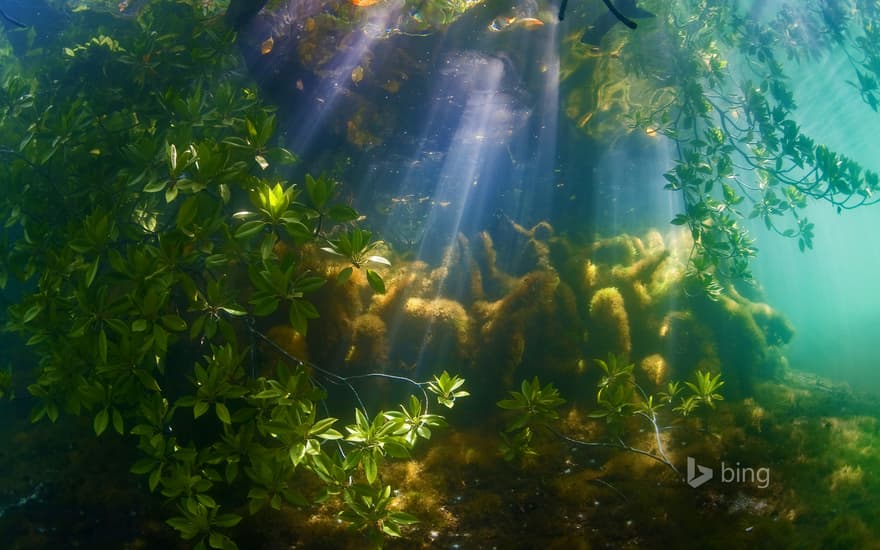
740, 152
124, 167
620, 401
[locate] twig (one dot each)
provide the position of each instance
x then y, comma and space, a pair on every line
619, 445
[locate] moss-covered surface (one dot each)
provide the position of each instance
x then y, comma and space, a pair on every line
513, 302
819, 443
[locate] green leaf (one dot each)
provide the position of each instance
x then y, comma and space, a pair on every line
376, 282
155, 186
396, 450
248, 229
155, 477
390, 529
403, 518
102, 346
265, 306
218, 540
200, 408
171, 193
92, 271
118, 424
222, 413
143, 466
187, 212
185, 526
344, 275
32, 313
227, 520
102, 419
174, 323
281, 155
297, 453
371, 468
320, 190
341, 213
321, 426
147, 380
298, 319
297, 230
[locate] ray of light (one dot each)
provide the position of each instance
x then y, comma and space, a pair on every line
466, 183
342, 74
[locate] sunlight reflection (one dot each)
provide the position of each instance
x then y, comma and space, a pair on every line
343, 72
480, 165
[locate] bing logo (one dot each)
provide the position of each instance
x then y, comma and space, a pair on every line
698, 475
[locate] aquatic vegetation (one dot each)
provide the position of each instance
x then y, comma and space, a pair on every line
610, 322
712, 80
447, 388
368, 511
186, 294
619, 400
624, 11
150, 292
705, 392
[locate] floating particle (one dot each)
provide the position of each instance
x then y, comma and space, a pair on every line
267, 45
585, 119
357, 74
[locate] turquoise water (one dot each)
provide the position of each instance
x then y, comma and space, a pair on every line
830, 293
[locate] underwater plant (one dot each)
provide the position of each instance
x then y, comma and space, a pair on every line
619, 400
149, 288
717, 84
705, 390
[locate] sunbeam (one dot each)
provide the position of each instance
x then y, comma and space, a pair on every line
343, 72
500, 154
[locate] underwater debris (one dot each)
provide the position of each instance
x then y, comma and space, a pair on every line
267, 45
357, 74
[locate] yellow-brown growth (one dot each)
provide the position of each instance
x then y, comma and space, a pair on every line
610, 323
368, 343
